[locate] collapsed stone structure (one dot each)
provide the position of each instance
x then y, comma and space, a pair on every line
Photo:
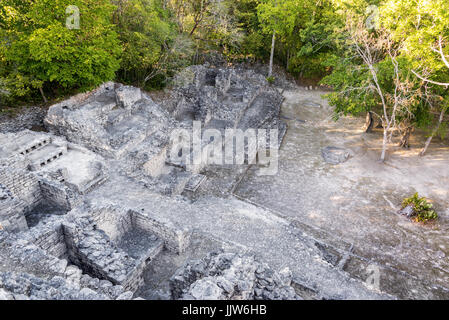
231, 276
86, 208
226, 98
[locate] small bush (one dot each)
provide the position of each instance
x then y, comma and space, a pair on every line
423, 209
271, 79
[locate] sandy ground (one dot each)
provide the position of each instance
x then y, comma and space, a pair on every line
353, 205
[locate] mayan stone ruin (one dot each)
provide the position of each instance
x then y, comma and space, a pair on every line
94, 206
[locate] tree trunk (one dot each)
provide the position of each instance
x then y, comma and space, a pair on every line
43, 95
434, 132
426, 146
273, 43
384, 144
194, 28
405, 139
369, 122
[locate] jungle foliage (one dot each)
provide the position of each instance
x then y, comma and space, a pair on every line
403, 78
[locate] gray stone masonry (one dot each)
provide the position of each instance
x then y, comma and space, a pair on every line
42, 170
90, 208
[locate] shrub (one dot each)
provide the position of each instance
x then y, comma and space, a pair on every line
271, 79
422, 208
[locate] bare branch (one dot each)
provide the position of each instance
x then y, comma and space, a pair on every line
443, 57
430, 81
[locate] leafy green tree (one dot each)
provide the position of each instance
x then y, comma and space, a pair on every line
254, 43
422, 27
39, 51
149, 36
278, 18
191, 15
370, 75
371, 80
313, 41
304, 31
349, 75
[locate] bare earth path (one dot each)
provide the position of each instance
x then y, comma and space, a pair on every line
352, 206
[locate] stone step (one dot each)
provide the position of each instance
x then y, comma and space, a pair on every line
32, 146
40, 158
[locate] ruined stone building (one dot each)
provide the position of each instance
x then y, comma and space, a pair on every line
87, 207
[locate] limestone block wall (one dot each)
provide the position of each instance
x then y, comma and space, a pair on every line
12, 216
54, 243
115, 222
98, 181
23, 185
21, 193
175, 240
50, 238
223, 81
127, 96
93, 251
89, 248
93, 246
58, 194
87, 257
135, 279
155, 165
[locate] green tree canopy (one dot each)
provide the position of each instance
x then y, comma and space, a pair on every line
39, 51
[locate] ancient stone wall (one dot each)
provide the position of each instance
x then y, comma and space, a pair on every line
58, 194
50, 238
115, 222
22, 184
174, 239
21, 193
93, 252
91, 249
12, 217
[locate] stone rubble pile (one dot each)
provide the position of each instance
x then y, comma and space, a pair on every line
29, 117
39, 276
231, 276
23, 286
335, 155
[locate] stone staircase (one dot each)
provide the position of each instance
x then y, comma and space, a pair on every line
27, 147
38, 148
44, 155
